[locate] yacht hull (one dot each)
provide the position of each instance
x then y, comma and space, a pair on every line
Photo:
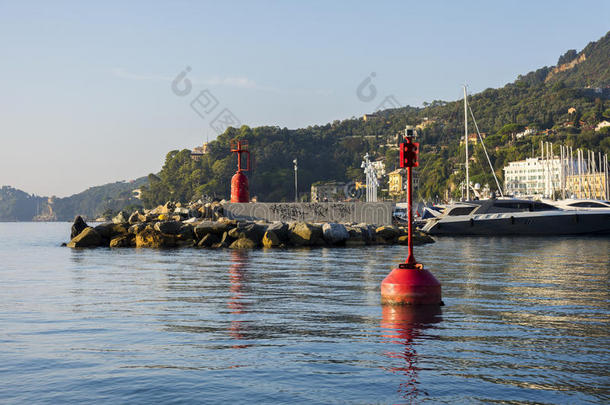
532, 223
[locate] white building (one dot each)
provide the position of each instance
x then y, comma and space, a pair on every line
525, 132
601, 125
533, 177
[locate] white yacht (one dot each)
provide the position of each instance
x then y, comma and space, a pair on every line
580, 204
508, 216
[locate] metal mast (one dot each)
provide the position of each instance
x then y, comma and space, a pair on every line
296, 186
466, 141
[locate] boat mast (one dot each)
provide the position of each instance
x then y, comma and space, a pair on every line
552, 172
485, 150
580, 170
562, 172
466, 141
606, 176
602, 191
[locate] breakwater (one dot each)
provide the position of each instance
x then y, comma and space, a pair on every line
218, 226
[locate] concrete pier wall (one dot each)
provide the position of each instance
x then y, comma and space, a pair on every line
379, 213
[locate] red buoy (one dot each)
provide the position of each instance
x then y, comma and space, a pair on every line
239, 188
410, 286
410, 283
240, 191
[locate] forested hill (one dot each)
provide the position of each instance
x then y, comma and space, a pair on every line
539, 100
17, 205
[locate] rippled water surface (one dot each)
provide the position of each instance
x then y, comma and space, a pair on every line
526, 321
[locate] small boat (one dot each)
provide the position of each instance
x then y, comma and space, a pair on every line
509, 216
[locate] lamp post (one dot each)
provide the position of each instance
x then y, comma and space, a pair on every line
296, 186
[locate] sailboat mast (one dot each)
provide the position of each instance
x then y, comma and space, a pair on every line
466, 141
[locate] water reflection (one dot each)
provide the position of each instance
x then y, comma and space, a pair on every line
555, 276
236, 303
404, 325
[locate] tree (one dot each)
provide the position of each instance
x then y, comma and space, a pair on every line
567, 57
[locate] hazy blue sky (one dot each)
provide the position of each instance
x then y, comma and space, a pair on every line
86, 92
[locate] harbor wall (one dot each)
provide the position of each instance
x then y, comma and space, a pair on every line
379, 213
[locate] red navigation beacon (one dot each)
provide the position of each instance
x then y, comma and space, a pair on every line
410, 283
240, 192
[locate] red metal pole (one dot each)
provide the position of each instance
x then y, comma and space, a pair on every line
410, 259
239, 156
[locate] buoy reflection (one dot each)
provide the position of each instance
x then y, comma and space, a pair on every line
403, 324
237, 278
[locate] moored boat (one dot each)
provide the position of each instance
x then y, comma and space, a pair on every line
508, 216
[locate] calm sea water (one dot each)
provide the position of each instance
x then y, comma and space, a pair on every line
526, 321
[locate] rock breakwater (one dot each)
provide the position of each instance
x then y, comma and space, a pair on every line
204, 226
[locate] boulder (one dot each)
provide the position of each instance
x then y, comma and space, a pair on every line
205, 227
87, 238
138, 227
185, 235
186, 231
168, 227
155, 211
419, 238
250, 231
209, 240
206, 211
243, 243
368, 232
109, 230
123, 241
270, 239
231, 222
168, 208
136, 217
121, 218
217, 211
387, 233
280, 229
152, 238
133, 218
182, 211
226, 240
356, 237
78, 226
334, 233
305, 234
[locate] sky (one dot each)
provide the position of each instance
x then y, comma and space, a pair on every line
97, 92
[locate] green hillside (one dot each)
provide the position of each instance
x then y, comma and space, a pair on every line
96, 201
17, 205
539, 100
